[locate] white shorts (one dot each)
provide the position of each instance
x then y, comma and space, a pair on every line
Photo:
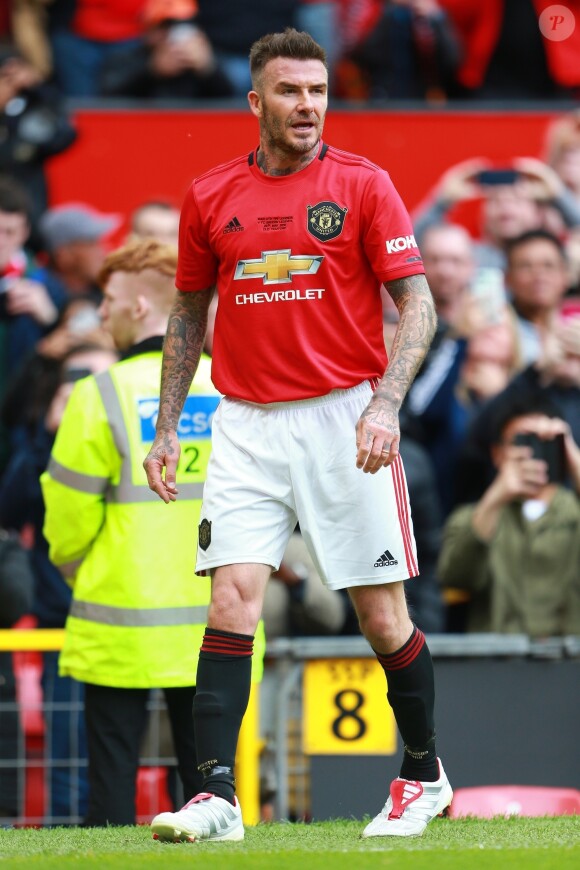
274, 465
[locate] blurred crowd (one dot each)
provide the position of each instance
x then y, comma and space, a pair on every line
491, 426
434, 50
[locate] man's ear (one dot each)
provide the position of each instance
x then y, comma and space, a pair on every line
255, 102
141, 307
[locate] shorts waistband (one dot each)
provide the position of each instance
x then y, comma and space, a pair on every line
327, 399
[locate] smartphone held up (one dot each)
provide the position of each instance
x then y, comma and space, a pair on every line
549, 450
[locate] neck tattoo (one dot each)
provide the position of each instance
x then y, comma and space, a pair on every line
304, 161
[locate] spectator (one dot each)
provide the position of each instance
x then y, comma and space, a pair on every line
33, 297
85, 34
563, 151
174, 61
471, 358
537, 276
127, 632
27, 308
517, 550
469, 369
513, 200
508, 56
411, 52
448, 257
232, 27
34, 126
74, 237
554, 377
467, 373
156, 219
22, 510
490, 362
31, 388
15, 261
559, 207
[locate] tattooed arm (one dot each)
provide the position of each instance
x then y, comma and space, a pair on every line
181, 353
377, 431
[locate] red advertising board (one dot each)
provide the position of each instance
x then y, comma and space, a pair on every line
124, 157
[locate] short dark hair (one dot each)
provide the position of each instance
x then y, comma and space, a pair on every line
507, 408
290, 43
534, 236
14, 198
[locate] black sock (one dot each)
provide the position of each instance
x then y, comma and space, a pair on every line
411, 694
221, 698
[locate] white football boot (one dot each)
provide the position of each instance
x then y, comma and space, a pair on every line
204, 817
410, 807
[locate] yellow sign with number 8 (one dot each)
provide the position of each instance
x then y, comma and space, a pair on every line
345, 709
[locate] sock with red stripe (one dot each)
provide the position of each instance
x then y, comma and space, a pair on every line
221, 697
411, 694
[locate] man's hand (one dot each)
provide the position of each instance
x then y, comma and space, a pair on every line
32, 298
377, 435
460, 181
164, 454
538, 180
57, 407
559, 360
520, 476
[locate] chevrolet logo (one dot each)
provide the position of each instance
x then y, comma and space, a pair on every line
277, 267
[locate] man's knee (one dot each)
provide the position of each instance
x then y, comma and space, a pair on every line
383, 615
237, 598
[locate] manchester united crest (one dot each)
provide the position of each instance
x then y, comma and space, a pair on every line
204, 534
325, 220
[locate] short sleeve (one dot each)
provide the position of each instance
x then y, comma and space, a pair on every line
196, 265
387, 231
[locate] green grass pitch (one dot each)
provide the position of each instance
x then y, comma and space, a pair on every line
466, 844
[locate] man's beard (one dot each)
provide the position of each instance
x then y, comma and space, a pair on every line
276, 140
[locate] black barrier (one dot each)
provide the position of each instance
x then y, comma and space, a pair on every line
507, 713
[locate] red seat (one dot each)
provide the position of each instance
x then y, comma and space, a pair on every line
152, 793
514, 800
28, 675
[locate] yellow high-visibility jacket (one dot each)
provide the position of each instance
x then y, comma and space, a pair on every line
138, 611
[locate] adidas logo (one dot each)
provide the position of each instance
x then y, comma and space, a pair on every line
221, 819
234, 226
410, 793
385, 560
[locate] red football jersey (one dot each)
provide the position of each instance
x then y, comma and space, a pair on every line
298, 261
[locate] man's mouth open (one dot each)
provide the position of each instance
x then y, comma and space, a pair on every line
303, 126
